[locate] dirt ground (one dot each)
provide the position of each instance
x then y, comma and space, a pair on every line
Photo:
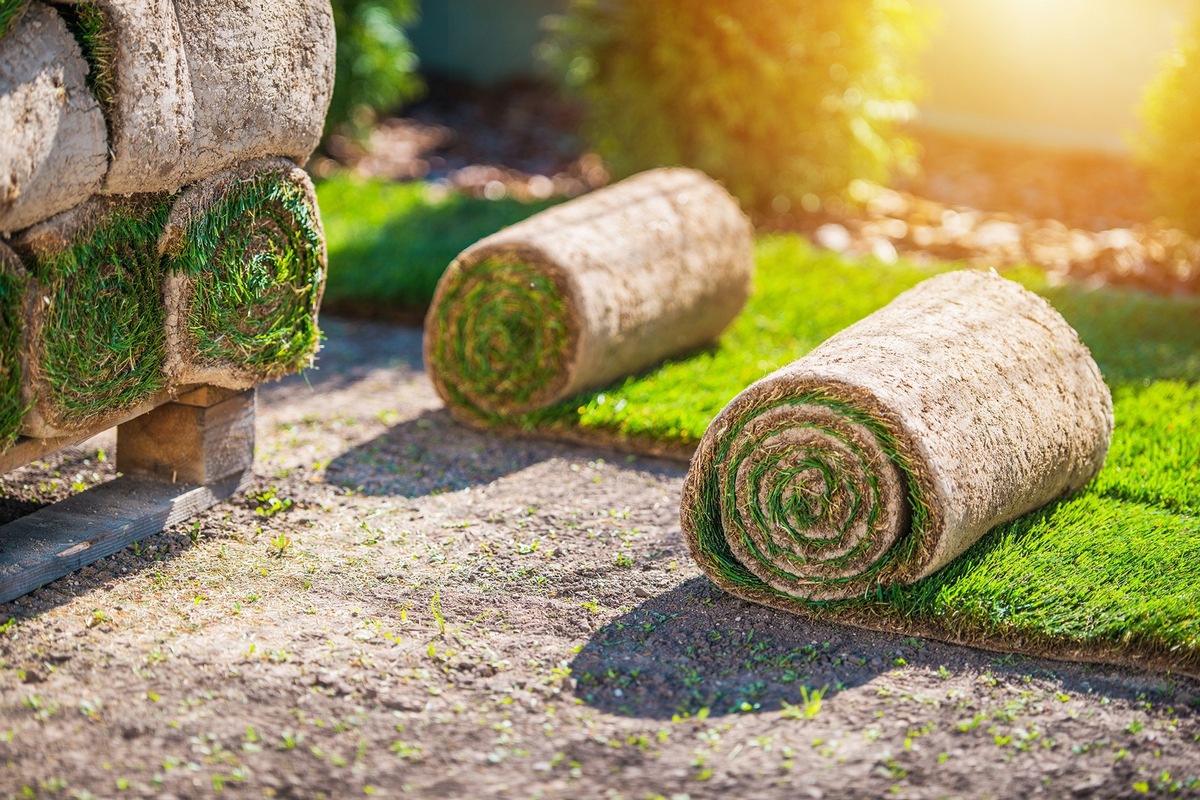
404, 607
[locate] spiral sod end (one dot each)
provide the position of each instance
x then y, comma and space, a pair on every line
12, 303
97, 331
502, 336
251, 256
808, 498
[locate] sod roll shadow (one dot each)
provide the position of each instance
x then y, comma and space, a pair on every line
245, 256
53, 145
587, 292
12, 305
94, 314
888, 450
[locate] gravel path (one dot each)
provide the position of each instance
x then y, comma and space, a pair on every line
404, 607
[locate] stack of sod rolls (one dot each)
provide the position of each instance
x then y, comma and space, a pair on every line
587, 292
888, 450
157, 229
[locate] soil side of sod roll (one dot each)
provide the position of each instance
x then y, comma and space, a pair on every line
891, 448
95, 344
139, 72
244, 252
583, 293
274, 102
177, 110
53, 150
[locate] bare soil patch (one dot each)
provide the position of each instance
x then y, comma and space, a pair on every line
406, 607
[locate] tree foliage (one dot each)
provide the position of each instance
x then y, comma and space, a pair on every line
787, 102
376, 66
1169, 145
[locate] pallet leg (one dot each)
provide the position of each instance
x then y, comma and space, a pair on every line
178, 460
200, 438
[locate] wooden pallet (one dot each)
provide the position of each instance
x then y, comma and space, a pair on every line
178, 459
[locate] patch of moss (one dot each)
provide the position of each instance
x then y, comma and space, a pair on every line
256, 263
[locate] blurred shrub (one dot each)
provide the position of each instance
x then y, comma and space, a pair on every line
1169, 144
376, 67
787, 102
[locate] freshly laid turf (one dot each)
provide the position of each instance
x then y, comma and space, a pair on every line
390, 242
1113, 573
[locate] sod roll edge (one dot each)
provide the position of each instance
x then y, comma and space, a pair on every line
13, 280
95, 338
10, 14
53, 143
587, 292
274, 102
190, 88
888, 450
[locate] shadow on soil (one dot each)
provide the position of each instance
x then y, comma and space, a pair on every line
433, 453
355, 349
696, 647
429, 454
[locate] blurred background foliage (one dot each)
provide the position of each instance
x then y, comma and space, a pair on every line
788, 103
376, 66
793, 104
1169, 144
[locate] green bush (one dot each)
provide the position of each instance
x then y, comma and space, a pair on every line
786, 102
376, 67
1169, 144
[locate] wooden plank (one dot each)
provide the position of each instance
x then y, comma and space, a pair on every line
206, 396
184, 443
72, 533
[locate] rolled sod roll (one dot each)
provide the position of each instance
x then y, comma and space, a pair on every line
139, 73
892, 447
53, 146
261, 76
245, 256
190, 88
94, 315
12, 307
587, 292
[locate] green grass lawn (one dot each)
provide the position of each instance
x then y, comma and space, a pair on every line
1113, 572
389, 242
